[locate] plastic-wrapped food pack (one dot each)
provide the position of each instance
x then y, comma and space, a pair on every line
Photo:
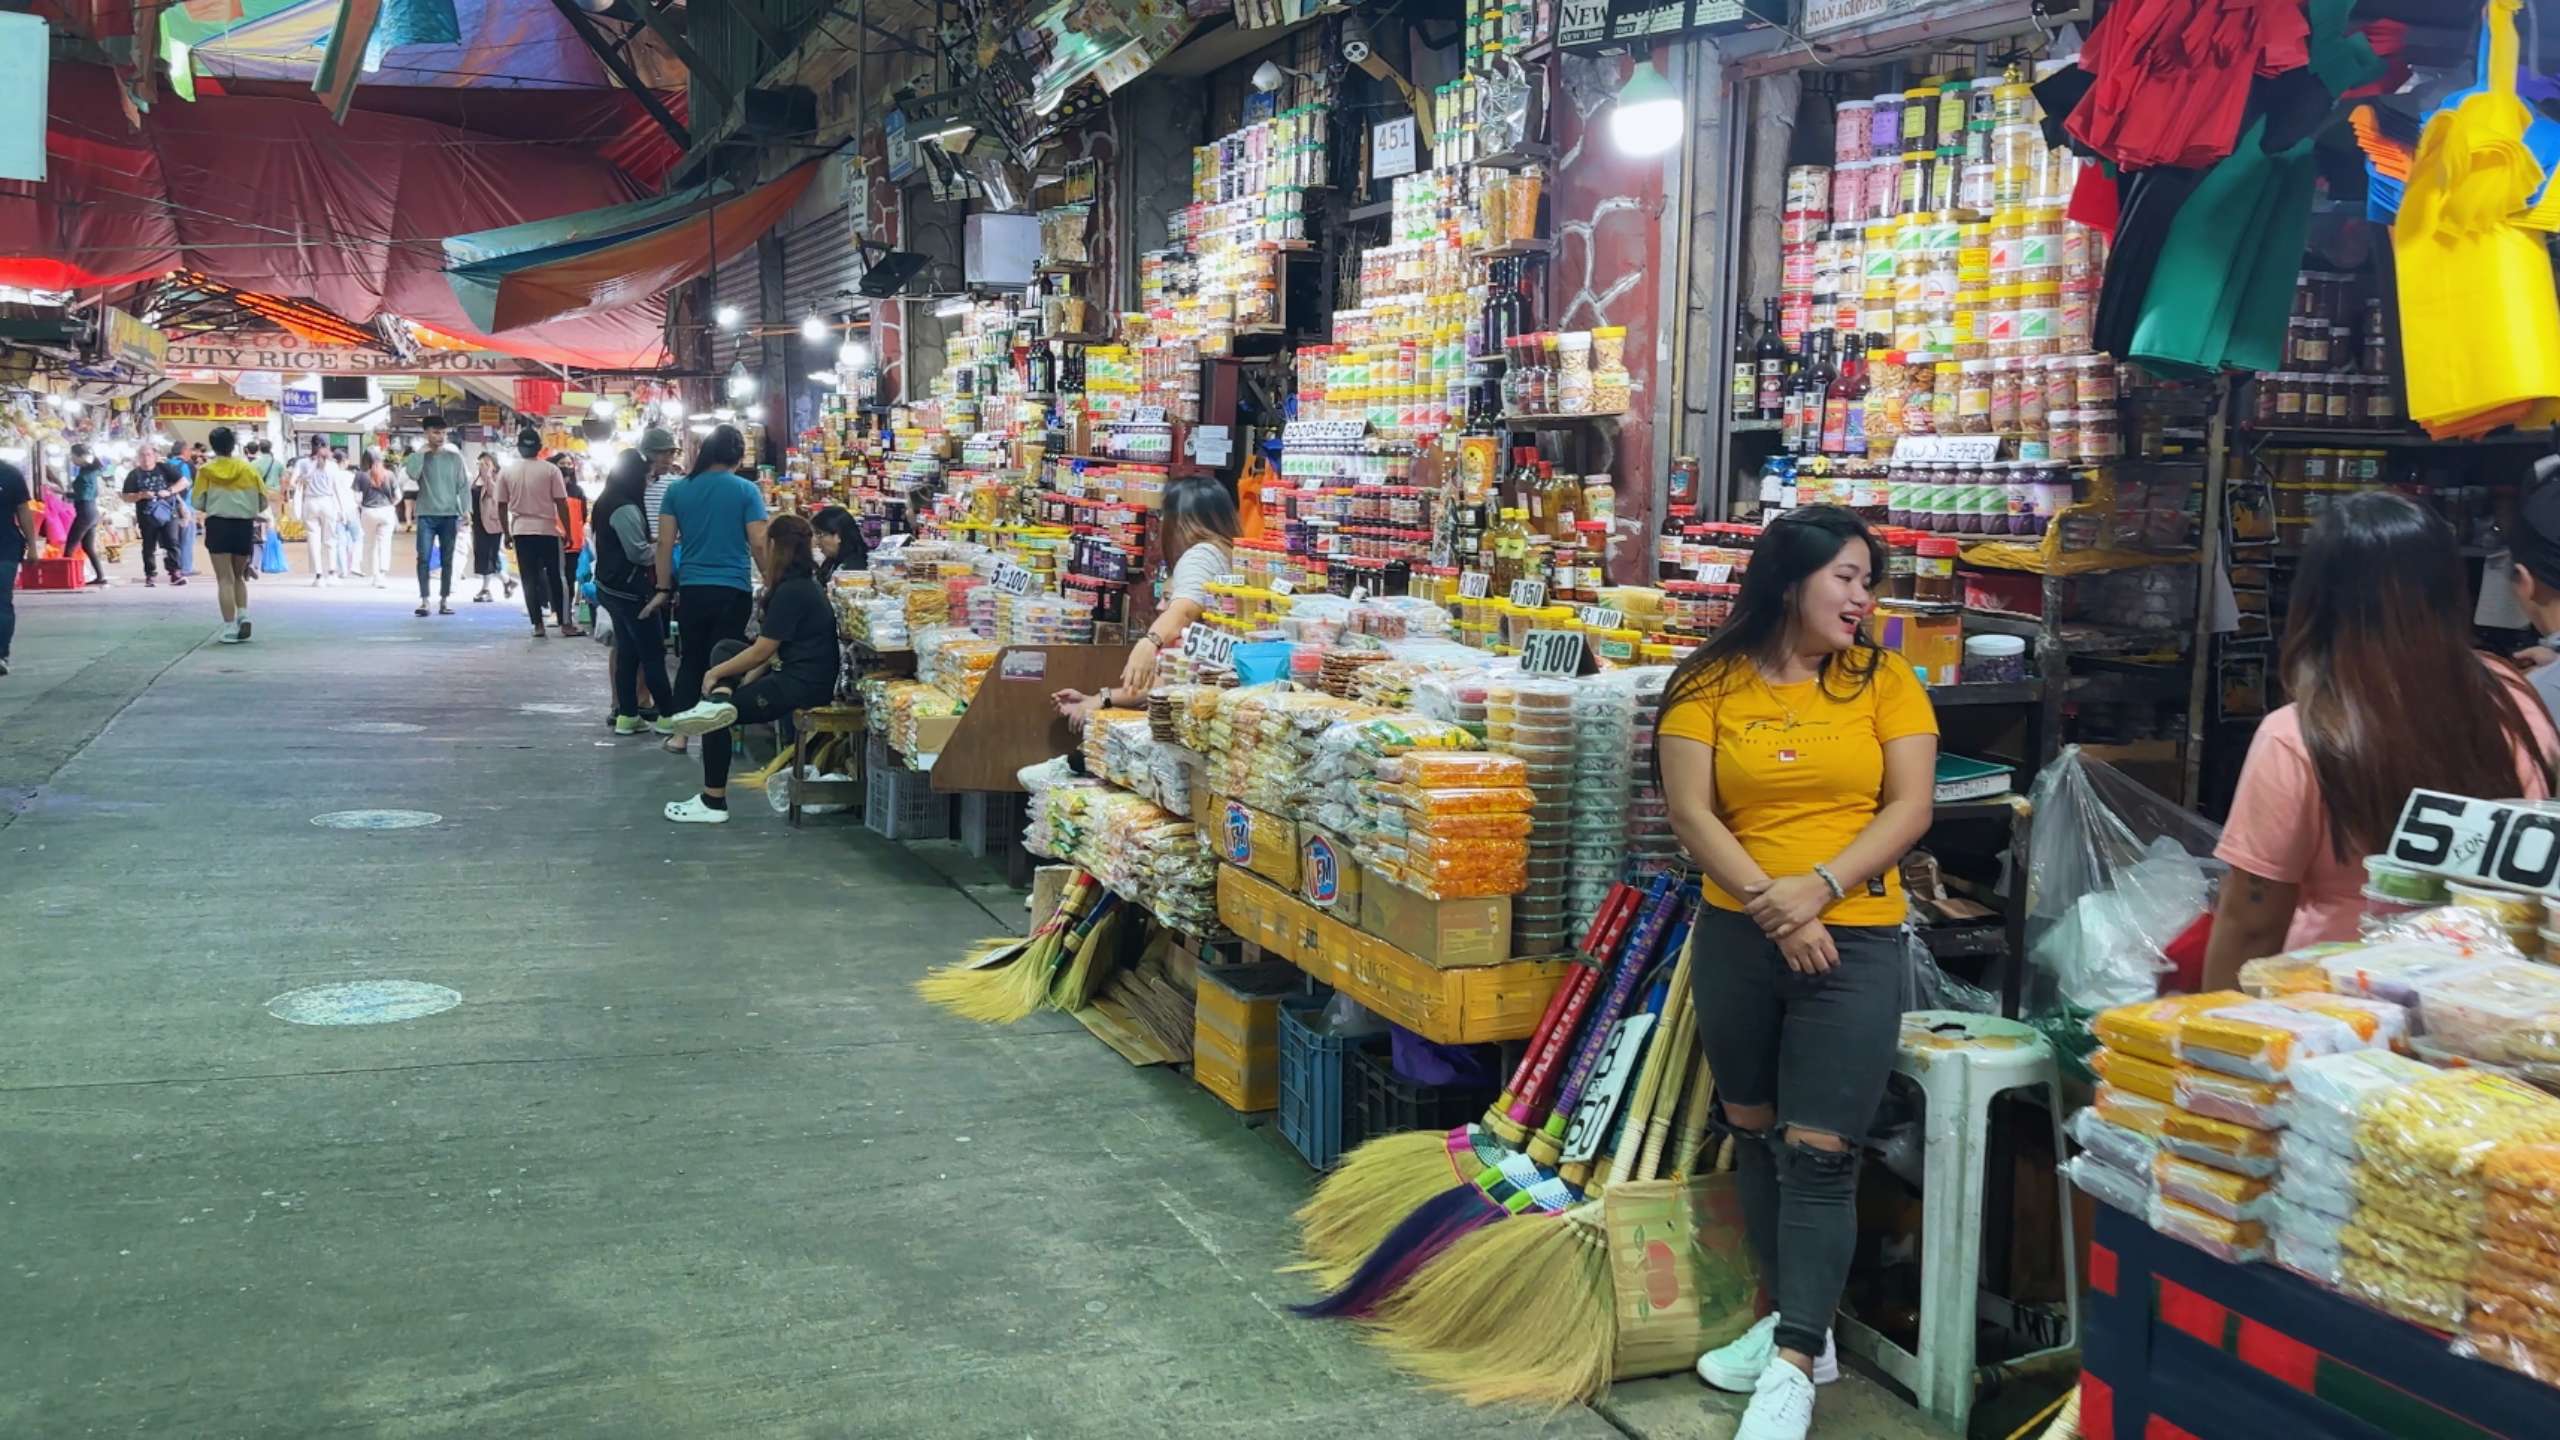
2315, 1227
2529, 1172
2393, 969
2214, 1191
2312, 1175
2124, 1189
2331, 1091
2127, 1150
2115, 873
2490, 1012
2414, 1252
2319, 1264
2451, 1123
2290, 973
1452, 769
2128, 1111
2436, 1304
2148, 1029
2219, 1143
2238, 1241
2504, 1335
2262, 1039
2136, 1076
2258, 1104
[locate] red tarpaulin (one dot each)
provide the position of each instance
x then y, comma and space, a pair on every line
267, 194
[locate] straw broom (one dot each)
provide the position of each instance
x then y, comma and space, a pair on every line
987, 985
1083, 974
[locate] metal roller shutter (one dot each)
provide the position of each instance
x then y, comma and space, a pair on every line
738, 285
819, 265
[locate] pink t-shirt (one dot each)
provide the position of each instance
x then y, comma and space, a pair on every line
2279, 827
532, 491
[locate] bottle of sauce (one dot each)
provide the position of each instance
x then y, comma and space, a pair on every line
1562, 499
1746, 368
1769, 363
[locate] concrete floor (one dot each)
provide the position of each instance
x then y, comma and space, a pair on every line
687, 1160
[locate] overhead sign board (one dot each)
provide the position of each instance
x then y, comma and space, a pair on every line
219, 412
302, 402
230, 358
1617, 24
1830, 17
130, 341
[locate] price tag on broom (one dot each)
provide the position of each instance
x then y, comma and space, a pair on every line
1608, 1084
1551, 652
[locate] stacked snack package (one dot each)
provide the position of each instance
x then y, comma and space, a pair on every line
2208, 1079
953, 659
2318, 1157
1604, 710
879, 621
2513, 1315
1532, 717
2422, 1190
1265, 741
1447, 824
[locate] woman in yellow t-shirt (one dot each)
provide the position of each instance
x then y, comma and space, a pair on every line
1799, 760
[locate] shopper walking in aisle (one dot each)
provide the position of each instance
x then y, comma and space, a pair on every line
533, 505
377, 515
87, 471
321, 498
625, 559
840, 543
718, 517
186, 462
230, 498
1799, 761
19, 527
444, 488
796, 639
2388, 697
1200, 527
158, 493
488, 532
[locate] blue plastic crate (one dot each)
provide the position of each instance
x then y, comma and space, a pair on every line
1314, 1113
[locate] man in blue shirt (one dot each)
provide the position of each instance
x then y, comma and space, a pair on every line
86, 471
717, 515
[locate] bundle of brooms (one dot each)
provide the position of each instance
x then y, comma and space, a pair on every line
1058, 966
1476, 1263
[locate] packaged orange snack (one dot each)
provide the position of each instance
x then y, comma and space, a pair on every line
2147, 1029
2219, 1143
2135, 1075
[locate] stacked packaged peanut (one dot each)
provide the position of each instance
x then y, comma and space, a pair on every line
1532, 718
893, 705
2513, 1312
2318, 1157
2422, 1193
1264, 739
878, 621
1137, 849
2208, 1077
1346, 759
953, 659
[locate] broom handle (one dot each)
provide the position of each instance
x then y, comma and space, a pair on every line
1604, 927
1632, 965
1675, 1008
1544, 1094
1693, 1117
1528, 1104
1592, 1176
1675, 1080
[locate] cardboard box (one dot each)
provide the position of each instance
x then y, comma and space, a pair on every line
1932, 642
1235, 1038
1328, 876
1447, 933
1257, 840
933, 733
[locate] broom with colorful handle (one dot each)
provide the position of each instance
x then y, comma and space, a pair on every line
1615, 1111
1633, 966
1678, 1020
1510, 1116
1693, 1118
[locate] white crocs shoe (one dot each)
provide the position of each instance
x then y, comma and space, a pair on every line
1737, 1365
691, 811
1781, 1405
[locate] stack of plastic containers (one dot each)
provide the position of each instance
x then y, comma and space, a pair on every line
1603, 738
1532, 717
1651, 844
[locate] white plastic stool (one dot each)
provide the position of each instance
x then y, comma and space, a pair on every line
1962, 1063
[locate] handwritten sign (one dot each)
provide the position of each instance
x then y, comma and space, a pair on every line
1529, 594
1392, 146
1149, 415
1474, 585
2491, 842
1208, 645
1551, 652
1718, 573
1282, 585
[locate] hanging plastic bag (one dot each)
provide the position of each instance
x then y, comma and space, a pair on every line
2115, 874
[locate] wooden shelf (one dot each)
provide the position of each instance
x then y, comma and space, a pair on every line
1557, 422
1516, 250
2291, 439
2019, 692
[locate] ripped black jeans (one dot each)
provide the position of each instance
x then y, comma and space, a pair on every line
1818, 1048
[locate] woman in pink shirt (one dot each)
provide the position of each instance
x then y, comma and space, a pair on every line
2388, 697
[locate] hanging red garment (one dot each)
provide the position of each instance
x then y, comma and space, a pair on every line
2173, 76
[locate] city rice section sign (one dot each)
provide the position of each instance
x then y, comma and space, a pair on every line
220, 358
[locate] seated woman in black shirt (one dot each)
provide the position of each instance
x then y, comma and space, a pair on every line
793, 665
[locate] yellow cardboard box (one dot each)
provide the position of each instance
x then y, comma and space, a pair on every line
1257, 840
1447, 933
1329, 877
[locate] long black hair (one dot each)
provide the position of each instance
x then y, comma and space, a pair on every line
1797, 544
725, 448
851, 551
2378, 659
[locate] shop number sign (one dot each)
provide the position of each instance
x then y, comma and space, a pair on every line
1012, 579
2493, 842
1529, 594
1551, 652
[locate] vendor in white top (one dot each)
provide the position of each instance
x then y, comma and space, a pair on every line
1199, 526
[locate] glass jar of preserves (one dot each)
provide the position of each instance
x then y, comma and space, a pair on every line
1898, 557
1933, 570
2093, 379
2004, 396
2062, 434
1920, 386
1973, 397
1943, 399
2262, 399
2345, 396
2381, 403
2288, 384
2097, 434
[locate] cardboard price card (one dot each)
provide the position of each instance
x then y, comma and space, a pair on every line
1474, 585
1015, 580
1551, 652
2512, 843
1529, 594
1603, 617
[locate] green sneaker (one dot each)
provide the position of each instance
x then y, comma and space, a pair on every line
626, 724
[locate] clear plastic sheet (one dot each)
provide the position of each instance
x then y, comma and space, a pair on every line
1927, 985
2114, 873
2124, 1189
2127, 1150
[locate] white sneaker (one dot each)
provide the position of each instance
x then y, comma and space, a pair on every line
691, 811
704, 718
230, 635
1781, 1405
1737, 1366
319, 581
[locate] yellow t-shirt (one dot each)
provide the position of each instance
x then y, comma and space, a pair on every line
228, 486
1798, 772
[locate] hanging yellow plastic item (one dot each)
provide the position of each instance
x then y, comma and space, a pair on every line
2478, 313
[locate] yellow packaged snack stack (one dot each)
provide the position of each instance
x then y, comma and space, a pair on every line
2290, 973
2418, 1299
2135, 1075
2219, 1143
2528, 1171
2450, 1124
2261, 1039
2216, 1192
2147, 1029
2237, 1241
2126, 1110
2258, 1104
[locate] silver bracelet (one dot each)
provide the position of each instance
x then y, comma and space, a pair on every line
1823, 872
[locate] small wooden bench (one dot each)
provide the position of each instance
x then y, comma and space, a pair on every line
825, 720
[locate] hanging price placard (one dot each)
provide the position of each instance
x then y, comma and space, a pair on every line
1716, 574
1603, 617
1280, 585
2493, 842
1529, 594
1015, 580
890, 544
1551, 652
1474, 585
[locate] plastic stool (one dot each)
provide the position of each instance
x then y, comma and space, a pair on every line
1962, 1063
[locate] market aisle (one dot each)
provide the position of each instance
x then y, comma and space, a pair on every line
687, 1159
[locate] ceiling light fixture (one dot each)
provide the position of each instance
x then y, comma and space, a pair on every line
813, 330
727, 317
1648, 118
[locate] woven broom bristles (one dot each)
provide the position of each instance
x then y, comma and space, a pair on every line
1004, 993
1366, 1197
1517, 1312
